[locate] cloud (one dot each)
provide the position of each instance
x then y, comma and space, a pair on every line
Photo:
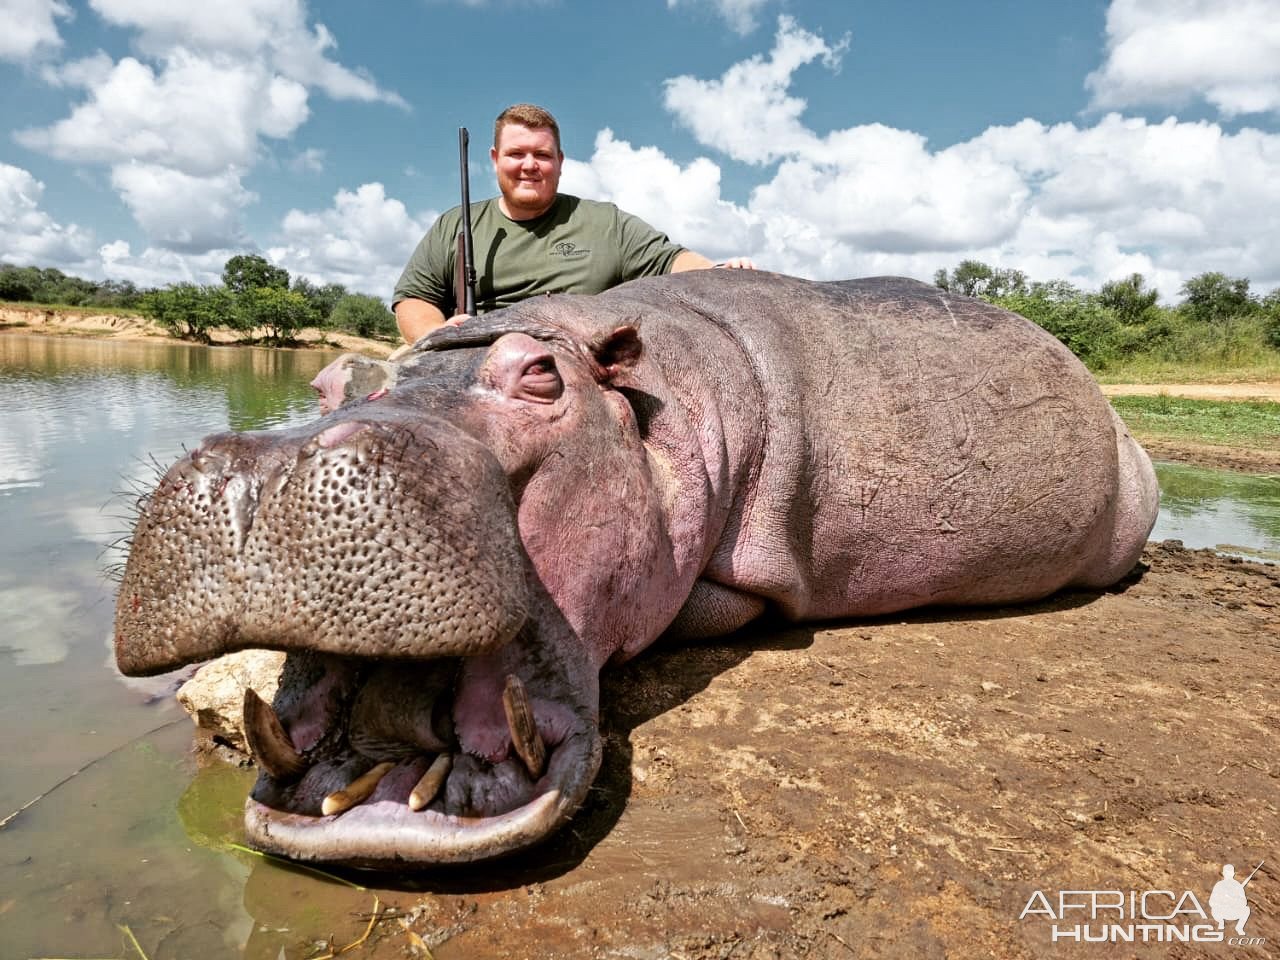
196, 114
747, 112
29, 235
158, 267
740, 15
274, 31
30, 29
685, 201
183, 120
1159, 52
1085, 203
362, 241
310, 160
160, 200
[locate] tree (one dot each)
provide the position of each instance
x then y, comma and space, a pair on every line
1216, 298
248, 271
188, 310
280, 312
1129, 299
1270, 307
973, 278
322, 299
365, 316
14, 286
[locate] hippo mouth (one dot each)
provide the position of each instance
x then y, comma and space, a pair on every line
378, 764
423, 716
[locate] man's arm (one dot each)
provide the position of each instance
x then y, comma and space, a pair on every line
416, 317
688, 260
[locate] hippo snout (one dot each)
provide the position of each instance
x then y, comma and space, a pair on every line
411, 722
359, 538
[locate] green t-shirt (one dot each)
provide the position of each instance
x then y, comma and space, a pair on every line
578, 246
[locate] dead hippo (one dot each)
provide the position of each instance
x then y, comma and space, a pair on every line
454, 553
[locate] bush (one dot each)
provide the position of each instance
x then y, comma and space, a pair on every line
280, 312
188, 310
363, 315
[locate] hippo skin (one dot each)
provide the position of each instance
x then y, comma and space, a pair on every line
550, 487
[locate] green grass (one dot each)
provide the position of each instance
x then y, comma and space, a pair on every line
1230, 423
1263, 368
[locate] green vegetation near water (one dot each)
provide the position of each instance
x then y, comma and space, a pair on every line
1250, 423
255, 296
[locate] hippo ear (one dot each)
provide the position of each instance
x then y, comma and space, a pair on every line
617, 352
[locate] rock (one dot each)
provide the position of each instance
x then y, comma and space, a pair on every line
215, 695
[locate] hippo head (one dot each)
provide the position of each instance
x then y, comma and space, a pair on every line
448, 557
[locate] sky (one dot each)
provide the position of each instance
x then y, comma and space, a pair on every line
151, 140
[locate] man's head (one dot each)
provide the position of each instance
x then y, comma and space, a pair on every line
526, 159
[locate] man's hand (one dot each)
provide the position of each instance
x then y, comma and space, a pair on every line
456, 319
737, 263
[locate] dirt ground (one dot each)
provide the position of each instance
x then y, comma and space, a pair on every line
902, 787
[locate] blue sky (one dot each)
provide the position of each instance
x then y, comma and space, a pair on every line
150, 140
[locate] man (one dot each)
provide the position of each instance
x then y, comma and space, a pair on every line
532, 239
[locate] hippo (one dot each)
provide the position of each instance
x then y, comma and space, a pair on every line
456, 549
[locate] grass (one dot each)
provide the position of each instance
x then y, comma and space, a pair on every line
1263, 368
1226, 423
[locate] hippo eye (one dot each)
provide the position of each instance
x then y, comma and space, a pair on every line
540, 380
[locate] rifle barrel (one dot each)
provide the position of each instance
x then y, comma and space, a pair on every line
468, 305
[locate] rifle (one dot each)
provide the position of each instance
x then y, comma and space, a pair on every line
464, 265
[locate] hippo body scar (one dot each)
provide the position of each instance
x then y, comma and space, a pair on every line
452, 554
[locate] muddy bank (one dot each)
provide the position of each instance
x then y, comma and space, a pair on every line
896, 788
103, 326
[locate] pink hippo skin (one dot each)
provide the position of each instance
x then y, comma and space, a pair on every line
548, 488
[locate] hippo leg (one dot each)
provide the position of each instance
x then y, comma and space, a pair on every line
713, 610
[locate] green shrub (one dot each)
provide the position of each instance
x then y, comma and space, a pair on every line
364, 316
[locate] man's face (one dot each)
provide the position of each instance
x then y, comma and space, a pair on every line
527, 165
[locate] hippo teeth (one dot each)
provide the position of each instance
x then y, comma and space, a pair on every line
359, 790
524, 731
431, 782
268, 742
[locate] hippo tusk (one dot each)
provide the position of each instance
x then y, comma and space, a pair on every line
431, 782
269, 744
524, 730
340, 801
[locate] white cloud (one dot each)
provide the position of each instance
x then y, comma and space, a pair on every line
29, 235
310, 160
157, 266
274, 31
685, 203
197, 114
362, 241
160, 200
748, 112
30, 29
184, 120
740, 15
1083, 203
1175, 51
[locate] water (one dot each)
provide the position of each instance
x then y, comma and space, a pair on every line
135, 839
1229, 512
128, 838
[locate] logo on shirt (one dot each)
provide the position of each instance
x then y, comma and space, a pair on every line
569, 250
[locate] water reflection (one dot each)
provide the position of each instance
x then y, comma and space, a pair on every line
1231, 512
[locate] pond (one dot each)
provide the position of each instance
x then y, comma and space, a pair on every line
126, 839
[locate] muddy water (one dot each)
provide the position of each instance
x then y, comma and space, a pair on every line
1232, 513
127, 839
